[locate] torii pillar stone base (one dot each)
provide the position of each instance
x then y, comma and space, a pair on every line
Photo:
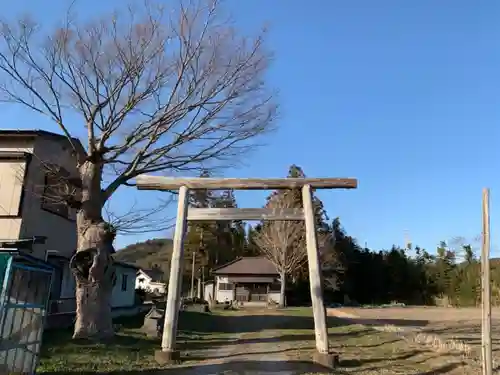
328, 360
167, 357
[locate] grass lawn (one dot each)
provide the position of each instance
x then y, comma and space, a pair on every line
129, 350
248, 339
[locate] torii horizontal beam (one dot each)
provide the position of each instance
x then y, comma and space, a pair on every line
148, 182
201, 214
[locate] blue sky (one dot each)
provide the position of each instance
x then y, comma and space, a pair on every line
403, 95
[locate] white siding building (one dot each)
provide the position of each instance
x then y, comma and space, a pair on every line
247, 280
124, 285
151, 281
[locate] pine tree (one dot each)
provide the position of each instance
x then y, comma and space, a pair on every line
229, 234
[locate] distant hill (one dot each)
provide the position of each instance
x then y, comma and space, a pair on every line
147, 254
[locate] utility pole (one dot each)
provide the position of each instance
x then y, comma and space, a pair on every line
486, 293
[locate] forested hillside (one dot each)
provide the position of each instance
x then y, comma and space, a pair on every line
148, 254
353, 273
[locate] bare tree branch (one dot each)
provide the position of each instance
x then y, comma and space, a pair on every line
277, 240
155, 91
138, 219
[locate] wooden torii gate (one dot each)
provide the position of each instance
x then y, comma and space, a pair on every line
185, 213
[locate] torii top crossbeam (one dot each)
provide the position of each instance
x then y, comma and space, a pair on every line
148, 182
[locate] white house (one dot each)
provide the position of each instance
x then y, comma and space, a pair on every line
63, 295
248, 280
151, 280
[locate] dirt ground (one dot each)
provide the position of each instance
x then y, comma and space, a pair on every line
441, 328
420, 315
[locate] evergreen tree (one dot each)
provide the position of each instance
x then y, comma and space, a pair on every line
251, 248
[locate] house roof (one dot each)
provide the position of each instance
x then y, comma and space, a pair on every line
247, 266
33, 133
155, 275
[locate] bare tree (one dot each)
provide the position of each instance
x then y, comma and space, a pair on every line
154, 91
280, 242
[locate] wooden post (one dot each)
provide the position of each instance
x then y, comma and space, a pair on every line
192, 274
203, 296
486, 282
168, 353
319, 312
198, 292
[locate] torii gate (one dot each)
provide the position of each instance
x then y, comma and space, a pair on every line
147, 182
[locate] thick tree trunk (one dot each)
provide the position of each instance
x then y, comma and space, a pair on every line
92, 264
282, 302
93, 311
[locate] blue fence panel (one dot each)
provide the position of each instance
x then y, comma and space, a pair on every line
23, 310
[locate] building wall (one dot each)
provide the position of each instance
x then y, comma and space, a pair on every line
142, 281
11, 181
60, 231
33, 220
124, 291
223, 295
274, 296
209, 292
228, 295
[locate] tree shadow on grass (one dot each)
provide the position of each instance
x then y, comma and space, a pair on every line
353, 363
209, 323
252, 367
210, 343
235, 367
60, 341
202, 326
198, 331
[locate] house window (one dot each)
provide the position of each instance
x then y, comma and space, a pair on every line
124, 282
141, 280
225, 286
56, 187
12, 172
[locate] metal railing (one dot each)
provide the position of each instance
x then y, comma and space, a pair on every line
258, 297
